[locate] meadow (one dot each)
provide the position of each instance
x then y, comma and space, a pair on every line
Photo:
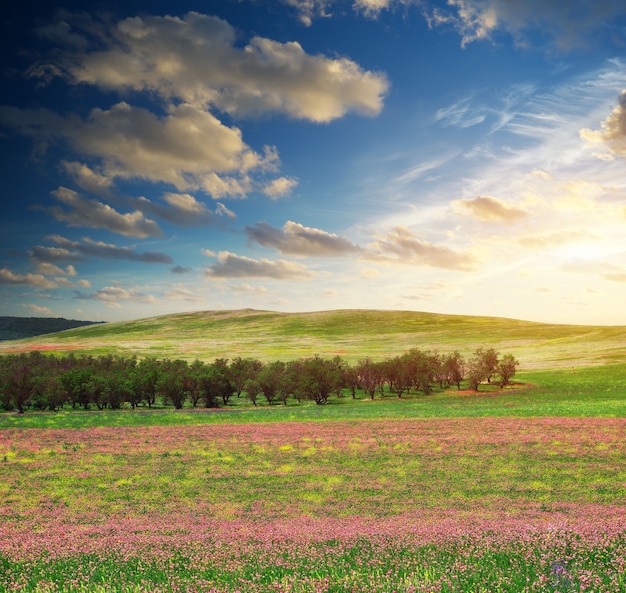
521, 489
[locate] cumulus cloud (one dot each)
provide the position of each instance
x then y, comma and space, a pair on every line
48, 269
613, 130
401, 246
134, 143
280, 187
77, 250
490, 209
230, 265
43, 255
296, 239
309, 9
36, 280
569, 27
371, 8
180, 209
112, 295
180, 293
84, 212
195, 59
195, 67
87, 179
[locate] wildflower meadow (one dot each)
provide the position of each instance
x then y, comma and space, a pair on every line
466, 504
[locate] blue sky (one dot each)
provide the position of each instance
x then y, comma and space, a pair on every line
463, 157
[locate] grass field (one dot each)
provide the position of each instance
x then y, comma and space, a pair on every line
519, 490
352, 334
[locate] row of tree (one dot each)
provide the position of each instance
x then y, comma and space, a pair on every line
43, 382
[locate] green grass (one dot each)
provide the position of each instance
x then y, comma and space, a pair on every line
598, 391
352, 334
361, 566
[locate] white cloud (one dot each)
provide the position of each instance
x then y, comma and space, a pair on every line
112, 295
490, 209
221, 210
195, 59
574, 26
230, 265
613, 130
83, 212
180, 293
249, 289
180, 209
75, 250
310, 9
280, 187
36, 280
371, 8
88, 179
401, 246
296, 239
134, 143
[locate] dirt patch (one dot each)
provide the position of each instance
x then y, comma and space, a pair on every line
44, 348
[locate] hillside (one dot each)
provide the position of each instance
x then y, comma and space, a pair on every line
352, 334
16, 328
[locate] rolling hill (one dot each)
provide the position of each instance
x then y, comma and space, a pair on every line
352, 334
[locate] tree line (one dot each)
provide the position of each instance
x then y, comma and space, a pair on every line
43, 382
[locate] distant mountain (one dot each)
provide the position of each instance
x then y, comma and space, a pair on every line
17, 328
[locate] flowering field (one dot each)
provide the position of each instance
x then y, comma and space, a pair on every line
463, 504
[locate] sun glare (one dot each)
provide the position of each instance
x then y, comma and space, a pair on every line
583, 250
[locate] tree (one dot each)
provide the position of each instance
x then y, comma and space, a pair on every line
454, 367
171, 382
506, 369
370, 374
270, 379
146, 379
479, 368
423, 368
18, 381
399, 373
319, 379
192, 383
489, 360
215, 385
350, 378
289, 381
241, 370
253, 390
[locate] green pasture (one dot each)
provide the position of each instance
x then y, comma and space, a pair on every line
352, 334
598, 391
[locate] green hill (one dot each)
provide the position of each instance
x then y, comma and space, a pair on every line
352, 334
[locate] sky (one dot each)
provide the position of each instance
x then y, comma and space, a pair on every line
457, 157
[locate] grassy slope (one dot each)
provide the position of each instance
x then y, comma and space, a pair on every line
352, 334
